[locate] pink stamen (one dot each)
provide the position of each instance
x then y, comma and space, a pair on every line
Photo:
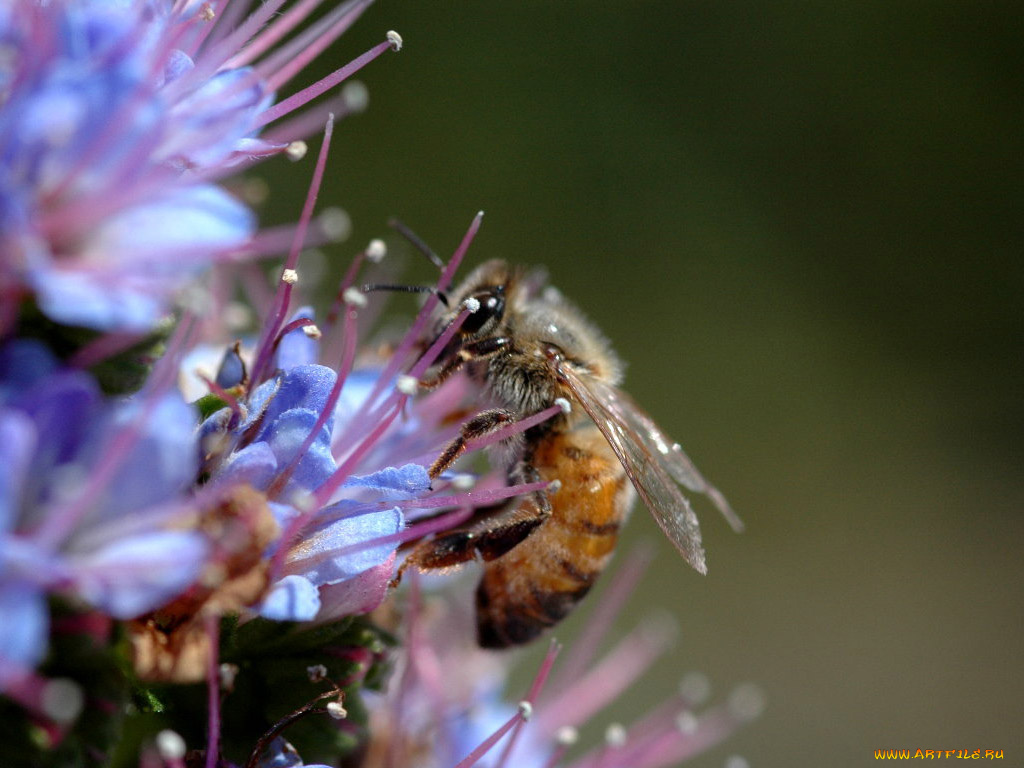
294, 57
418, 531
228, 12
672, 746
332, 399
474, 757
321, 86
103, 348
396, 747
513, 428
273, 240
59, 525
212, 627
415, 333
608, 679
538, 685
612, 602
277, 29
329, 486
472, 499
308, 121
344, 285
320, 496
284, 290
212, 59
396, 400
222, 394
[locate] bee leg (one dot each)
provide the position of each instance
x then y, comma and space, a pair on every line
524, 472
488, 540
467, 353
482, 424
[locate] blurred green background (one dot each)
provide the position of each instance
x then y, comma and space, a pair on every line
800, 224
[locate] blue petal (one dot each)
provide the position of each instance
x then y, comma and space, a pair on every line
296, 348
24, 362
395, 483
136, 574
145, 253
92, 300
255, 464
286, 436
161, 464
306, 387
293, 598
24, 630
189, 222
345, 548
17, 444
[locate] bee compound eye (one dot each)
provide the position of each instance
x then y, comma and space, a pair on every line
492, 307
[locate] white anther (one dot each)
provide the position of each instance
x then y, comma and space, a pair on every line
554, 486
296, 150
335, 223
303, 501
525, 710
376, 250
695, 688
356, 96
206, 12
227, 674
615, 735
687, 723
564, 404
290, 276
336, 710
395, 39
566, 736
407, 385
473, 305
62, 699
747, 701
312, 331
170, 746
354, 297
463, 482
316, 673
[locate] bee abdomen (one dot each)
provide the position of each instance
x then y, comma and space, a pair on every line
512, 617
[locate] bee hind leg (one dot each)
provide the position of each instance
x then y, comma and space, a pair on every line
487, 540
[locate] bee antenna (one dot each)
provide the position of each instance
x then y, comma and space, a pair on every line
368, 288
399, 226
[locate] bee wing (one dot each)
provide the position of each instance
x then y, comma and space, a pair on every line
653, 463
667, 452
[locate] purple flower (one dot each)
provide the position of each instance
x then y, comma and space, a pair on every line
116, 117
281, 441
90, 496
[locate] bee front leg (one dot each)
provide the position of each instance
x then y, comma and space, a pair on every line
474, 351
480, 425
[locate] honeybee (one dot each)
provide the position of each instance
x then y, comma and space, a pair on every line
528, 347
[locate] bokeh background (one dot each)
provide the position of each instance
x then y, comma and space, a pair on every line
801, 224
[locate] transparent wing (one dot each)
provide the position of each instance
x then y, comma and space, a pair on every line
653, 463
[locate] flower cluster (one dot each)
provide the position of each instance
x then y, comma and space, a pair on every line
199, 516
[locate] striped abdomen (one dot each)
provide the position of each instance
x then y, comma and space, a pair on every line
536, 583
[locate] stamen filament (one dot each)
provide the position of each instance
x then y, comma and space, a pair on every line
321, 86
284, 290
348, 356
